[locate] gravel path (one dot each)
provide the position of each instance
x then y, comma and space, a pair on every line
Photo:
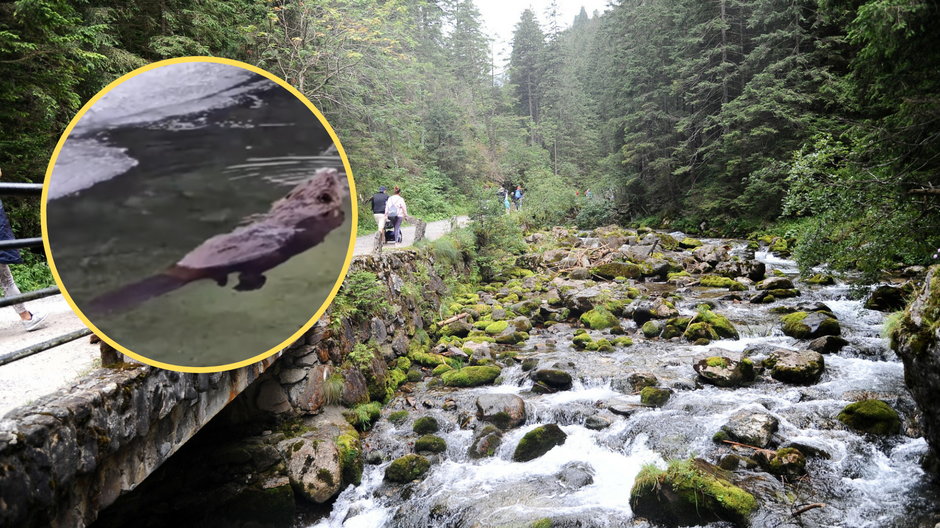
434, 230
27, 379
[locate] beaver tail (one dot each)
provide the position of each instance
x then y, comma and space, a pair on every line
132, 295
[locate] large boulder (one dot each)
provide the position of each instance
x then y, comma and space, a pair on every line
711, 254
916, 339
553, 379
313, 467
612, 270
724, 371
690, 492
502, 410
871, 416
810, 325
775, 283
407, 468
751, 428
801, 367
827, 344
887, 299
538, 441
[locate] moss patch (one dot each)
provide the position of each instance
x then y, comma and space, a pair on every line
599, 318
654, 396
407, 468
425, 425
716, 281
430, 443
471, 376
871, 416
689, 492
538, 441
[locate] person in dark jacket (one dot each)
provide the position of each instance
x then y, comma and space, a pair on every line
29, 320
377, 202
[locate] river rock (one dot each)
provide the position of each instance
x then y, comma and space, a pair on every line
599, 318
579, 274
886, 299
690, 492
459, 328
538, 441
827, 344
313, 466
751, 428
521, 324
554, 379
612, 270
871, 416
663, 309
407, 468
785, 462
711, 254
775, 283
430, 444
803, 325
597, 422
574, 475
485, 442
471, 376
800, 367
503, 410
724, 371
655, 396
916, 340
733, 269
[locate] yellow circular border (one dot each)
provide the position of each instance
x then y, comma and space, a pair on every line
352, 235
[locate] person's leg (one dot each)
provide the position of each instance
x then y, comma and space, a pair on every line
380, 221
9, 288
397, 228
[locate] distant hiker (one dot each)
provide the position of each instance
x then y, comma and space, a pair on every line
396, 210
506, 202
29, 320
378, 208
517, 197
587, 194
577, 193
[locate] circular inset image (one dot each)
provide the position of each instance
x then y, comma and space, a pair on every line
197, 214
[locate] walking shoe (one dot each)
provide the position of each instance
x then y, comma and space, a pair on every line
34, 322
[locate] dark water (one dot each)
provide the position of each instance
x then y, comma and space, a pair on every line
198, 177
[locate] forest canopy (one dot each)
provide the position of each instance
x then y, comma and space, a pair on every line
816, 119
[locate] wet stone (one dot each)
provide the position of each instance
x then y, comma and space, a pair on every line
751, 428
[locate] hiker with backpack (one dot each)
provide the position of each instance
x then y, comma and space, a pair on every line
517, 197
396, 210
377, 202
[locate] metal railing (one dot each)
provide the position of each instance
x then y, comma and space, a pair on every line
30, 189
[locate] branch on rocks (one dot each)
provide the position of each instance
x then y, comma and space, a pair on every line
769, 452
452, 319
807, 508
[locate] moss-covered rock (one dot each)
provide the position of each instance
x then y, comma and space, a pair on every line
801, 367
724, 371
612, 270
715, 281
775, 283
654, 396
426, 425
690, 492
871, 416
471, 376
427, 360
496, 327
581, 341
485, 442
823, 279
700, 331
690, 243
786, 462
651, 329
719, 323
809, 325
538, 441
601, 345
599, 318
398, 417
440, 369
407, 468
622, 341
350, 457
430, 444
553, 378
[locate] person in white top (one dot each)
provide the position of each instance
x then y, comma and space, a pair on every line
396, 210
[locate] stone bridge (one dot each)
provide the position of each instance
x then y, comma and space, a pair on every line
69, 455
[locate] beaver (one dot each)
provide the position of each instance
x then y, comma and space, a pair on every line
295, 223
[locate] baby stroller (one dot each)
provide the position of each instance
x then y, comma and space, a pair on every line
390, 233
